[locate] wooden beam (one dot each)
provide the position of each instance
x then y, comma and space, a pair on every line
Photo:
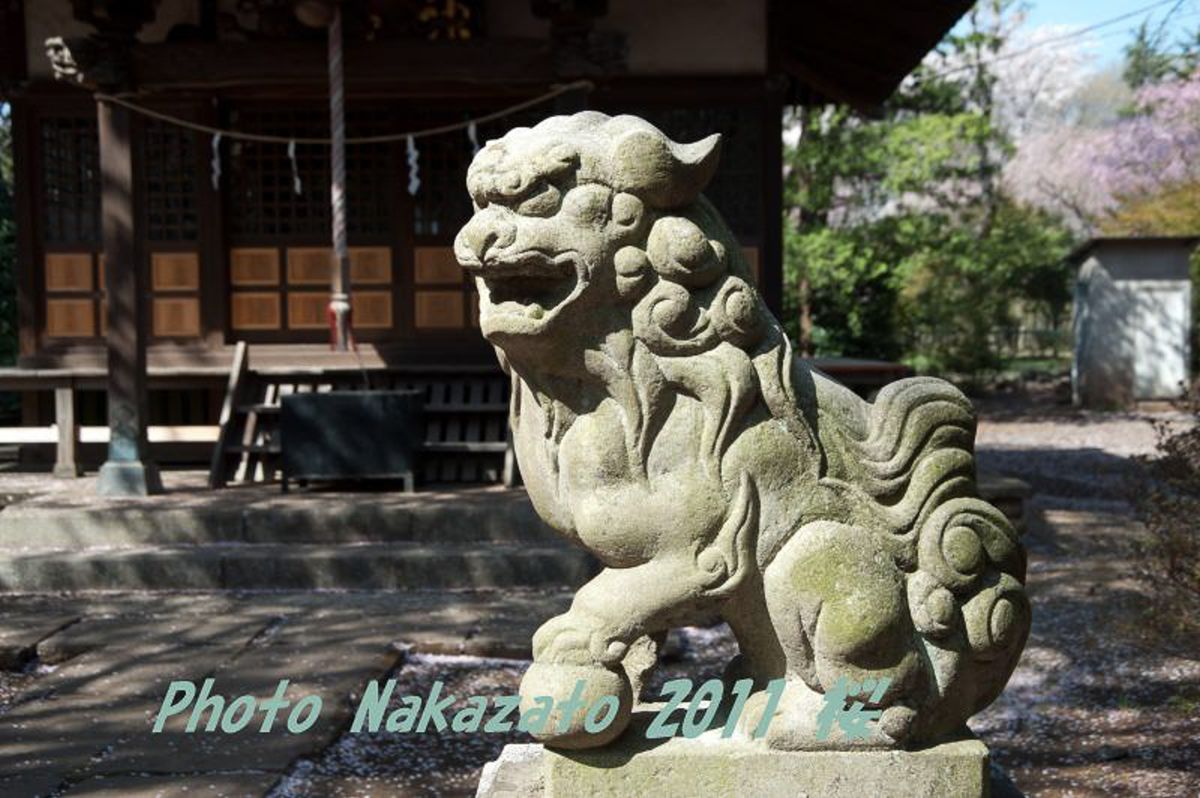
292, 64
178, 433
129, 471
13, 61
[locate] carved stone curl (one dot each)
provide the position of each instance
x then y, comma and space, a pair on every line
661, 421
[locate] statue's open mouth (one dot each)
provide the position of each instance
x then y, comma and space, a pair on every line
529, 285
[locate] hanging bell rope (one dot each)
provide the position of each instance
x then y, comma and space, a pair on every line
341, 329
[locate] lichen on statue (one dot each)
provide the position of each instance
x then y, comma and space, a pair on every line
661, 421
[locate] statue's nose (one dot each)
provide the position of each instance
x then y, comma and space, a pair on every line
487, 231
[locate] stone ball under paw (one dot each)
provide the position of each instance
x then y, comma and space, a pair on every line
576, 691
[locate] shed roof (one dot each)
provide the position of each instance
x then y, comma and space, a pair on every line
1081, 252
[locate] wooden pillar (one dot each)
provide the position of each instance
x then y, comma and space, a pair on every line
128, 471
66, 463
24, 133
771, 258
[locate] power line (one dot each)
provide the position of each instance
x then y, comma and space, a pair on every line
1058, 39
1110, 34
1162, 25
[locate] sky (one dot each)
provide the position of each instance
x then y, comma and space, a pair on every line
1108, 42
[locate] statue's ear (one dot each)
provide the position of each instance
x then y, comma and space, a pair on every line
664, 174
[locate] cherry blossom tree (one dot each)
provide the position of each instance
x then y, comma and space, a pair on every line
1090, 173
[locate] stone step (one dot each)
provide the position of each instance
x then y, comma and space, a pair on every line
76, 520
219, 517
367, 566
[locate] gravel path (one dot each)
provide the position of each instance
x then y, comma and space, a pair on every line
1071, 458
1106, 699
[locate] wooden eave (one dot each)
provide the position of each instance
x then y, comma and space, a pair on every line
857, 53
415, 68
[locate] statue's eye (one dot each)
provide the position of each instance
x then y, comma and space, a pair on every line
544, 200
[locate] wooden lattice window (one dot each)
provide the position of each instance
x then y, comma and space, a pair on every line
171, 221
72, 269
281, 262
169, 183
262, 197
444, 297
442, 205
70, 180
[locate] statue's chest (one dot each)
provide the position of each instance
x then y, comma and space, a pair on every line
624, 502
596, 451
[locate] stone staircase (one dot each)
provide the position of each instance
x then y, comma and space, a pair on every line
254, 538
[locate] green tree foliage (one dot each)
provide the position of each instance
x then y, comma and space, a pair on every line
1151, 57
899, 241
1174, 211
1146, 58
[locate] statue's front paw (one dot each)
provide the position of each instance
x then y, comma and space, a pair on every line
570, 640
580, 715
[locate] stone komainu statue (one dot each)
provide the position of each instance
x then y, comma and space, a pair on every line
662, 422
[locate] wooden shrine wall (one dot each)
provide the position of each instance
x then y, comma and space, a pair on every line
250, 258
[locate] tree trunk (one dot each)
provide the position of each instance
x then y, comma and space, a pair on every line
804, 294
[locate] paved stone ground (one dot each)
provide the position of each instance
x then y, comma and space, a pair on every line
76, 715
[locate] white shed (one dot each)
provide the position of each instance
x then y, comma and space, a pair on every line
1133, 320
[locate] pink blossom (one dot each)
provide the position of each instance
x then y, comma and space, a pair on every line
1087, 173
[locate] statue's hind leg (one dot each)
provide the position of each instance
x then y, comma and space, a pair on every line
836, 603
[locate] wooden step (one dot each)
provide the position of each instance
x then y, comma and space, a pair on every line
471, 447
466, 407
261, 409
248, 451
253, 448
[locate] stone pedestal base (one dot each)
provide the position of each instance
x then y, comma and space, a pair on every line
130, 478
708, 768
